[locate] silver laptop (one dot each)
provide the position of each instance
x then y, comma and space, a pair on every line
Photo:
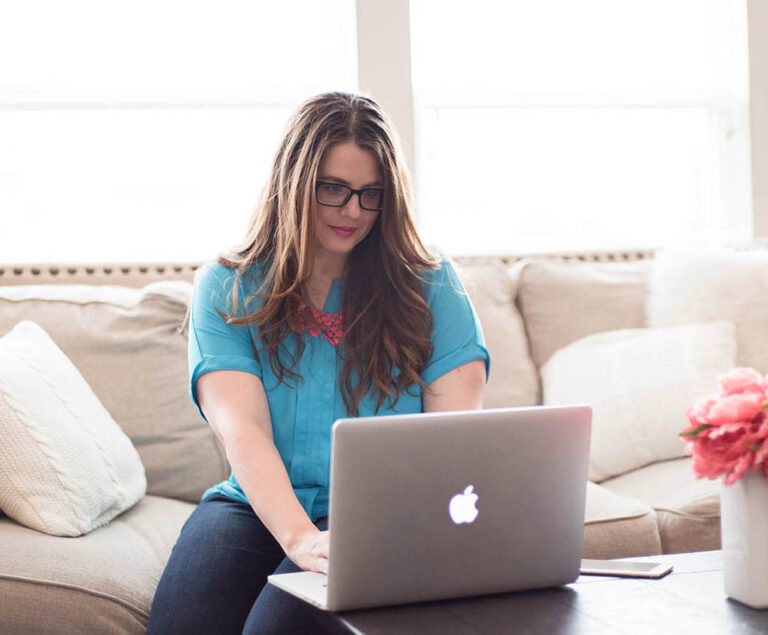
441, 505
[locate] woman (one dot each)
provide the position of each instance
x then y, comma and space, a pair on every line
332, 307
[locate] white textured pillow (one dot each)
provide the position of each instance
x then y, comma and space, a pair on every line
708, 284
66, 467
639, 383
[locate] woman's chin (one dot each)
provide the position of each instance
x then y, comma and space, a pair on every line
338, 246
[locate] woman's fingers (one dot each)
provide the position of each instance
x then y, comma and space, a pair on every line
322, 555
322, 544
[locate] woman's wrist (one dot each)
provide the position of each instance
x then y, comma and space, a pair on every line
290, 536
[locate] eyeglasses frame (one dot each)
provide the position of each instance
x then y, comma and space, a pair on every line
350, 194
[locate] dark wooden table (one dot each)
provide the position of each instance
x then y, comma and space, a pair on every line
691, 599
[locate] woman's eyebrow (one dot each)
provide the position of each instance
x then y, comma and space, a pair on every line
343, 182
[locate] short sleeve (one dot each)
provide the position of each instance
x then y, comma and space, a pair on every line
457, 335
213, 344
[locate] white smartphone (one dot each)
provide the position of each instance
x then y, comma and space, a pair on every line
625, 568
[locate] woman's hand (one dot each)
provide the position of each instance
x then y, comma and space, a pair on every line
309, 550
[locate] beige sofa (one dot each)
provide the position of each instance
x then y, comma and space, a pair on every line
122, 327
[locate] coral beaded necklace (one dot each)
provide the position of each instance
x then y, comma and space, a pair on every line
330, 324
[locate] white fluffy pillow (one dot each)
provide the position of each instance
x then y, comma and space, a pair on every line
639, 383
66, 467
706, 285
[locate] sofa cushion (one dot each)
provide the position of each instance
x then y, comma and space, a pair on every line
102, 582
563, 301
718, 284
492, 288
639, 383
688, 508
618, 526
66, 467
127, 345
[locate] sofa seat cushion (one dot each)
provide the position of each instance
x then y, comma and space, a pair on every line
688, 509
617, 526
102, 582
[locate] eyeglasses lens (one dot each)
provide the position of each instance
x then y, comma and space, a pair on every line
329, 194
371, 199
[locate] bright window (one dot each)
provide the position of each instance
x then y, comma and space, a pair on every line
144, 130
560, 125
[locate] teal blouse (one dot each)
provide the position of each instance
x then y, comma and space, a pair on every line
303, 412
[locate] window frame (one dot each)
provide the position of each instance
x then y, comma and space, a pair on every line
384, 71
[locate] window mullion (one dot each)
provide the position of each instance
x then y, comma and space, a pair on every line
757, 21
384, 63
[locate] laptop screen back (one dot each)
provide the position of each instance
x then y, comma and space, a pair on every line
442, 505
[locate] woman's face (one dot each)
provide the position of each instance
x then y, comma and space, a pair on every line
339, 229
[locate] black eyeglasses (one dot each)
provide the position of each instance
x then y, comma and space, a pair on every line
337, 195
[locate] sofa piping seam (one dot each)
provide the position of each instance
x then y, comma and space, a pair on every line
73, 587
102, 302
615, 519
686, 515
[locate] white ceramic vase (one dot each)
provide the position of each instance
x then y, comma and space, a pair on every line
744, 525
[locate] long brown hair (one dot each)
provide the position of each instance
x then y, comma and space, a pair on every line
387, 322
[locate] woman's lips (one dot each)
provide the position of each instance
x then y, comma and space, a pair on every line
344, 232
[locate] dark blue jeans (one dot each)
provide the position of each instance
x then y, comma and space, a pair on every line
215, 581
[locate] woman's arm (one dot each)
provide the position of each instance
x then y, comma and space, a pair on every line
459, 389
235, 404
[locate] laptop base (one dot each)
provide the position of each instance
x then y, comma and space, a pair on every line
310, 586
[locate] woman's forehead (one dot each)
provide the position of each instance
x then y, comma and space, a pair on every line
350, 163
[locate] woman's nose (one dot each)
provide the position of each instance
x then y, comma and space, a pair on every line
352, 208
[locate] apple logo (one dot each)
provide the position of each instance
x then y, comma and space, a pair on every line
462, 506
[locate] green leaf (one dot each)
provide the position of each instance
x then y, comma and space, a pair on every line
753, 447
691, 434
